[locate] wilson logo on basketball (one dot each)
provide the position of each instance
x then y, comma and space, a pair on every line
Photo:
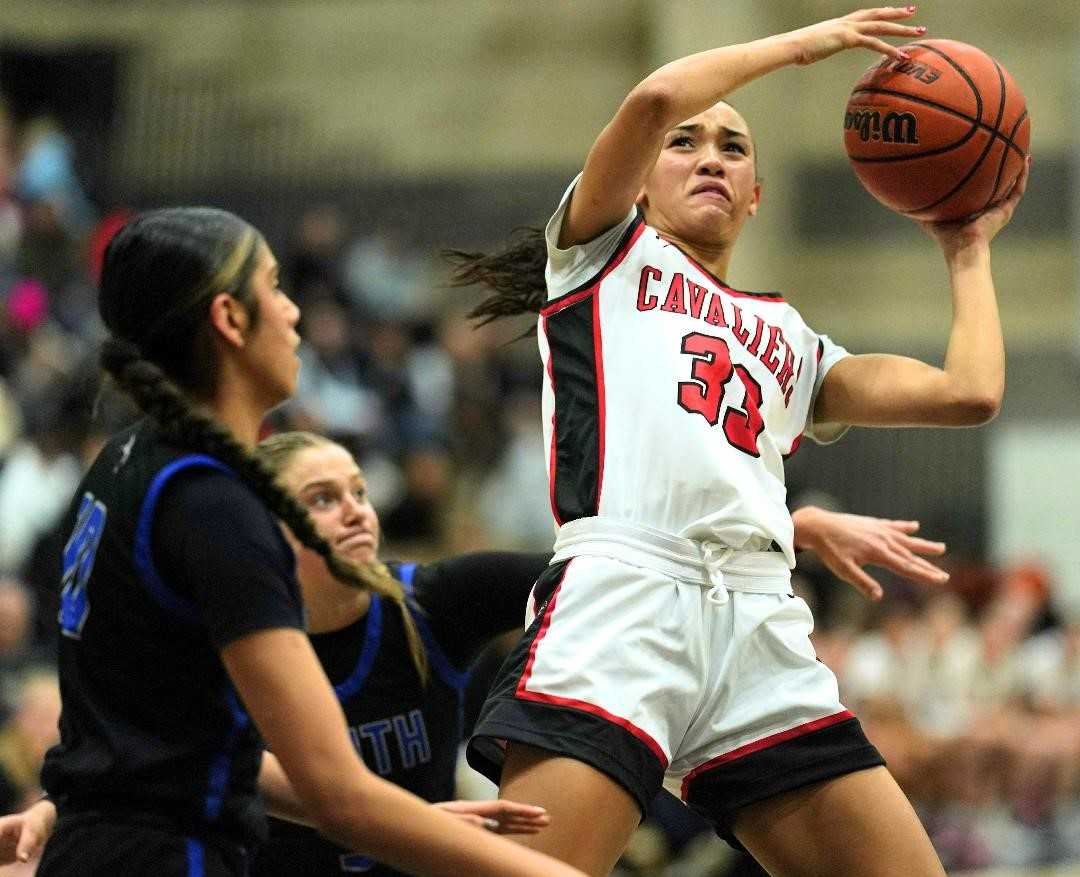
891, 128
916, 70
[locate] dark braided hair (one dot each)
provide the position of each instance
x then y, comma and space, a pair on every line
159, 275
514, 274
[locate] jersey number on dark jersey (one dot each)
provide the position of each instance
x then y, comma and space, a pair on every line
78, 562
704, 395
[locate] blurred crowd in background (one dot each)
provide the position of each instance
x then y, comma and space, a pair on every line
972, 692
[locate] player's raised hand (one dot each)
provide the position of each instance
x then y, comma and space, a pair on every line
864, 28
22, 835
848, 543
500, 816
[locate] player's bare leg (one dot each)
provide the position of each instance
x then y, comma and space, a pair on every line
857, 824
592, 816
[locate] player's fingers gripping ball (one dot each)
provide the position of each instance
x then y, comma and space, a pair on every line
940, 136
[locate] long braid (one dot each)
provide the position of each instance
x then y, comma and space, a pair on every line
514, 274
171, 410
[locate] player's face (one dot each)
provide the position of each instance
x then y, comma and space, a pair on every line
328, 483
704, 183
271, 346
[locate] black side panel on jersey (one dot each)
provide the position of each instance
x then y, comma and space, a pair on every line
578, 411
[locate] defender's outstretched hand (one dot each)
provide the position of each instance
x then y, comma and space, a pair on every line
848, 543
862, 29
500, 816
22, 835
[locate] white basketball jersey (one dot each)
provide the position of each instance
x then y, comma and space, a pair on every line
670, 399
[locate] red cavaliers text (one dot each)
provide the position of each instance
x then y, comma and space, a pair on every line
762, 340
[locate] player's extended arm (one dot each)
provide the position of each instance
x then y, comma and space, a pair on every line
848, 543
289, 697
500, 816
886, 390
626, 149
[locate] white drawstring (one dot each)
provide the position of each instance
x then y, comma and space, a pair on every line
715, 556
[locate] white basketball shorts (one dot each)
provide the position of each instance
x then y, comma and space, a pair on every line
660, 671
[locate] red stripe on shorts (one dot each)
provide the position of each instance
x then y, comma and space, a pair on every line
582, 705
764, 743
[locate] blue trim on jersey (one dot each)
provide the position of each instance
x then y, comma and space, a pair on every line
221, 767
406, 572
456, 679
163, 595
449, 674
372, 635
196, 858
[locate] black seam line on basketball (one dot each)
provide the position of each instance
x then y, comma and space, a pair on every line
978, 95
1004, 158
956, 66
1004, 152
929, 103
978, 162
971, 172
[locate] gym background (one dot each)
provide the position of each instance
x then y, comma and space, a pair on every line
364, 136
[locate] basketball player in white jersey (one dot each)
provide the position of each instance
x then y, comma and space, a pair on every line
665, 646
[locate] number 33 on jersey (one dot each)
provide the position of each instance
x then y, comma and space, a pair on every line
659, 374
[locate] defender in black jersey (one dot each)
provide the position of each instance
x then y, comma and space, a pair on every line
406, 731
170, 558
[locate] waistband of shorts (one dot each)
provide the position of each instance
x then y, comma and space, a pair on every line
764, 572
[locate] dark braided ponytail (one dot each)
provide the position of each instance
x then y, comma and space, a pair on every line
159, 275
514, 274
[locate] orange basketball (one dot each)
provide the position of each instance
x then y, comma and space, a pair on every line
941, 136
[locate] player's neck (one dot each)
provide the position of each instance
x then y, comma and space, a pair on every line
712, 256
334, 606
240, 413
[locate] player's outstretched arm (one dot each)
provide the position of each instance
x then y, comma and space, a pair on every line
848, 543
886, 390
22, 835
626, 149
287, 694
500, 816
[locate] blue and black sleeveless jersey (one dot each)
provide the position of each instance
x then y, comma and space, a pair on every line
405, 732
170, 558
